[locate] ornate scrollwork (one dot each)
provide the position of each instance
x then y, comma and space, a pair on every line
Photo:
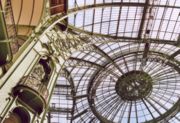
38, 72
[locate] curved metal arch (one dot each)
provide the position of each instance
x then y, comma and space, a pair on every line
81, 62
67, 75
123, 39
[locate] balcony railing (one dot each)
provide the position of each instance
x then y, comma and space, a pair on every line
32, 92
36, 85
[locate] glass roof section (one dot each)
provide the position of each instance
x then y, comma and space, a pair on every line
159, 19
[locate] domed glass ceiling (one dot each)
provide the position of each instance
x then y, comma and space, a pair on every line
131, 73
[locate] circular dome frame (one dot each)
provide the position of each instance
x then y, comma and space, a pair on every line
94, 87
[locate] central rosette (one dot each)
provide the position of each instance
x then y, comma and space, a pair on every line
134, 85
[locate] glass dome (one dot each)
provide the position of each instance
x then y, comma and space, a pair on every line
131, 72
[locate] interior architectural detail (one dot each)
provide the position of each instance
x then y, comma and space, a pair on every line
89, 61
19, 115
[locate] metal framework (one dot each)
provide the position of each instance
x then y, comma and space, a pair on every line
129, 73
